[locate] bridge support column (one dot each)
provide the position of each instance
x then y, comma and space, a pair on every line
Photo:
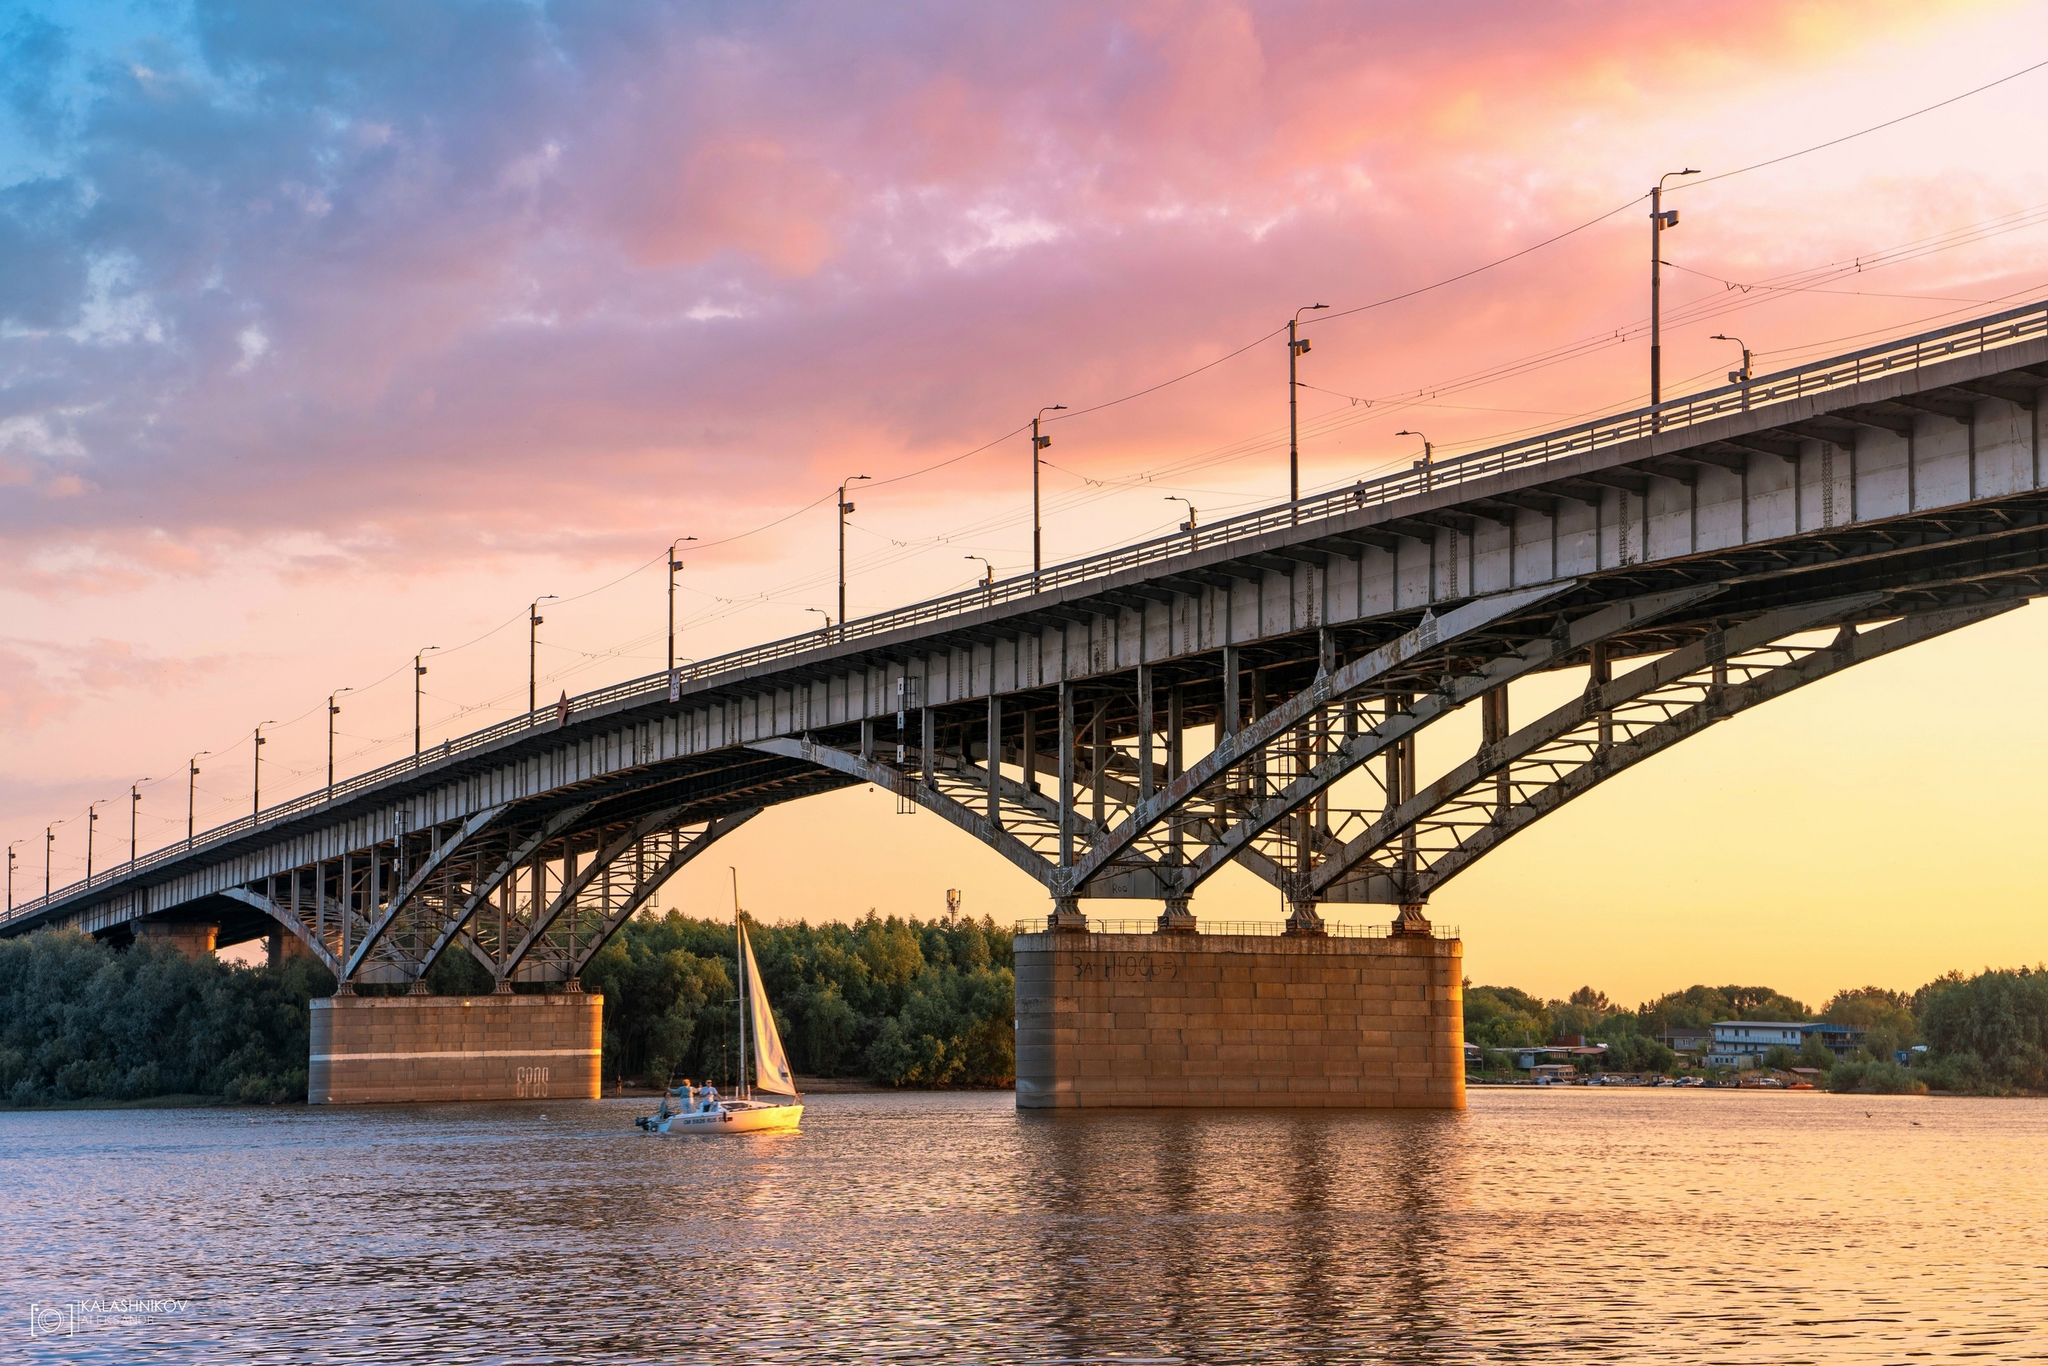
1223, 1021
1177, 918
194, 939
282, 947
411, 1049
1303, 920
1066, 914
1411, 923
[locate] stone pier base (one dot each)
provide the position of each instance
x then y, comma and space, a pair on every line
194, 939
1203, 1020
427, 1048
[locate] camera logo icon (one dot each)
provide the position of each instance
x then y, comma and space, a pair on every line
52, 1321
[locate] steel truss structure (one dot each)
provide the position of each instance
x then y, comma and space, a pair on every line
1316, 791
1266, 696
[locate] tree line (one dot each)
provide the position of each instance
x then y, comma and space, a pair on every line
80, 1020
1980, 1035
904, 1002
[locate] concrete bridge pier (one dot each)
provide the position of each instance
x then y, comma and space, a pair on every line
1184, 1019
193, 938
441, 1048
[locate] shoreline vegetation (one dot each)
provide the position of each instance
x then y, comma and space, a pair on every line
1985, 1035
887, 1001
883, 1001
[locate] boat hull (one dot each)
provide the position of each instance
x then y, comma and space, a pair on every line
750, 1120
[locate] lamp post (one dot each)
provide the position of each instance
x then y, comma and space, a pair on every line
49, 843
256, 781
533, 621
674, 564
1297, 347
1038, 443
92, 818
10, 877
988, 580
419, 671
1741, 376
192, 792
1189, 525
1660, 219
134, 809
332, 711
1428, 461
824, 632
844, 508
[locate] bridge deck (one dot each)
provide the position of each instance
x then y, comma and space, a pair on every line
1906, 476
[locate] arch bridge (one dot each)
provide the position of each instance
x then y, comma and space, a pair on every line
1126, 725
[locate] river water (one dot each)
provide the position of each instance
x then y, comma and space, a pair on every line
1555, 1225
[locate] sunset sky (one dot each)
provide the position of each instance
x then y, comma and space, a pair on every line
331, 332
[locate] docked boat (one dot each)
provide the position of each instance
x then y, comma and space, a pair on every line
688, 1110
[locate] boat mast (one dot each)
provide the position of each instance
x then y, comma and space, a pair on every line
739, 958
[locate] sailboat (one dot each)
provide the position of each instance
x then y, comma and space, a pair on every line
701, 1110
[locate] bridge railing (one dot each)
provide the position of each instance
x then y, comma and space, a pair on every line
1908, 353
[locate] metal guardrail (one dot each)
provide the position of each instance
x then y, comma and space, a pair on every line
1909, 353
1263, 928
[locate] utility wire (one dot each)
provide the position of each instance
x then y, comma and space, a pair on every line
1862, 132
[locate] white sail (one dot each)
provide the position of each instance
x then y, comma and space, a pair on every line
771, 1072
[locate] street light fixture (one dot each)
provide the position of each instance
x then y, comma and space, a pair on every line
1428, 461
256, 782
49, 843
92, 818
419, 671
1189, 525
533, 622
824, 632
1736, 376
674, 564
844, 508
988, 577
1660, 219
332, 712
1297, 347
192, 791
134, 809
10, 877
1038, 443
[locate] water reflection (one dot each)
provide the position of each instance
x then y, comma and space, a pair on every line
1534, 1227
1194, 1237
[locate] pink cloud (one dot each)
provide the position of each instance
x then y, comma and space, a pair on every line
713, 261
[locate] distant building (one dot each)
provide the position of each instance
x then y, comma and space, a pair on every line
1743, 1043
1563, 1054
1842, 1040
1687, 1040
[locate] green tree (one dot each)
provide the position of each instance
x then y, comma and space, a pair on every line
1886, 1018
1989, 1031
1504, 1017
1813, 1052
